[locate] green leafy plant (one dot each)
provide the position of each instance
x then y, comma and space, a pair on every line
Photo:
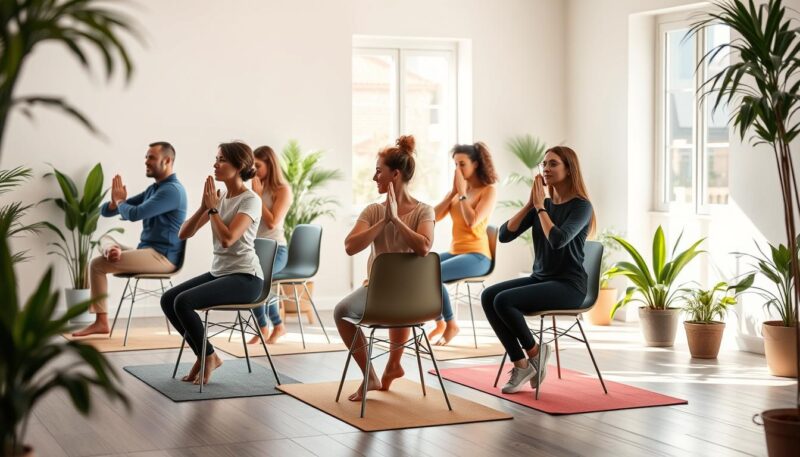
760, 85
81, 214
530, 151
12, 213
79, 25
30, 352
306, 178
776, 267
610, 250
704, 305
656, 288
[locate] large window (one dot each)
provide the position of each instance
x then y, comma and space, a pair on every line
692, 143
404, 88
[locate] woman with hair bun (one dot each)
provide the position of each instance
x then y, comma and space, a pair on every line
469, 204
400, 224
235, 276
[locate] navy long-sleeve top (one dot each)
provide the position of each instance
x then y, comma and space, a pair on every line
559, 256
162, 210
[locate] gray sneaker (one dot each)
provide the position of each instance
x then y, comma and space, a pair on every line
518, 378
534, 362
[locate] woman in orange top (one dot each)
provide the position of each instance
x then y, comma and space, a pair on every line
470, 204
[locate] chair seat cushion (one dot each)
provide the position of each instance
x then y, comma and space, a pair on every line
293, 273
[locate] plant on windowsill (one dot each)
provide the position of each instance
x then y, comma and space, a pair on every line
530, 151
306, 177
80, 219
656, 290
703, 306
600, 314
760, 84
32, 356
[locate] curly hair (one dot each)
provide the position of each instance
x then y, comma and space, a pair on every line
479, 153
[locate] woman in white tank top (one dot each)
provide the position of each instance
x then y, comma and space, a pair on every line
276, 198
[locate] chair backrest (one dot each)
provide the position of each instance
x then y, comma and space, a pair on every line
403, 289
182, 257
491, 233
265, 250
592, 259
304, 249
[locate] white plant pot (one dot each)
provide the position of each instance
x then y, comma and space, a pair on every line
75, 296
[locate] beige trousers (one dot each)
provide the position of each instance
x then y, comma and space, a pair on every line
130, 261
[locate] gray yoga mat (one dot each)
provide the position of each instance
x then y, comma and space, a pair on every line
231, 380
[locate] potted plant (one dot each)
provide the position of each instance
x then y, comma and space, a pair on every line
760, 84
655, 289
80, 219
13, 212
306, 177
30, 352
600, 314
779, 337
702, 307
530, 151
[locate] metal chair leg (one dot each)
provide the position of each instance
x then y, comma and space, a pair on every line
266, 351
299, 314
180, 353
436, 368
541, 357
203, 353
244, 341
119, 307
314, 307
230, 336
347, 364
472, 316
419, 361
586, 340
169, 328
130, 313
500, 369
555, 339
366, 373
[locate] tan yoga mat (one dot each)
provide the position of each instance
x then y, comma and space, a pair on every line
288, 344
139, 338
403, 406
462, 347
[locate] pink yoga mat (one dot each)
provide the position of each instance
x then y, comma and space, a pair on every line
574, 393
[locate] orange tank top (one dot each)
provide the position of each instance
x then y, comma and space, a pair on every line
468, 239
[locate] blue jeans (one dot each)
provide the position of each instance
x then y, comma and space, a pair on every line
459, 266
281, 257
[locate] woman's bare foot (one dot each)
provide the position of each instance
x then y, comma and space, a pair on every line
264, 333
450, 332
97, 328
277, 332
440, 326
374, 384
212, 363
390, 373
193, 372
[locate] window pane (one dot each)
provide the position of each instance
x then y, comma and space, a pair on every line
430, 117
374, 117
679, 102
715, 153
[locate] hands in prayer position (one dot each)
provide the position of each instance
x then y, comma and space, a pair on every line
210, 194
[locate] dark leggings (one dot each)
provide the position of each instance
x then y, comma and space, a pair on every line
180, 302
506, 304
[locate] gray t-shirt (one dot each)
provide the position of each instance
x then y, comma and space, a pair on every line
240, 257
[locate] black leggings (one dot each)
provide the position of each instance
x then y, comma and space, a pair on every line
506, 304
180, 302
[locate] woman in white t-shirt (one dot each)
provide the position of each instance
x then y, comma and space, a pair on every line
400, 224
235, 275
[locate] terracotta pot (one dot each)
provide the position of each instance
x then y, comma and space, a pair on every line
659, 326
600, 314
780, 347
781, 427
289, 306
704, 338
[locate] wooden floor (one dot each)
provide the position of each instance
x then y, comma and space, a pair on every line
723, 395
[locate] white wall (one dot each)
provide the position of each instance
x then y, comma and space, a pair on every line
268, 71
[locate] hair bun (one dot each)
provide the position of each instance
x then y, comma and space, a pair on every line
406, 144
248, 173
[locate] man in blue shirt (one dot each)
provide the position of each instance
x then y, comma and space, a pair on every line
162, 210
